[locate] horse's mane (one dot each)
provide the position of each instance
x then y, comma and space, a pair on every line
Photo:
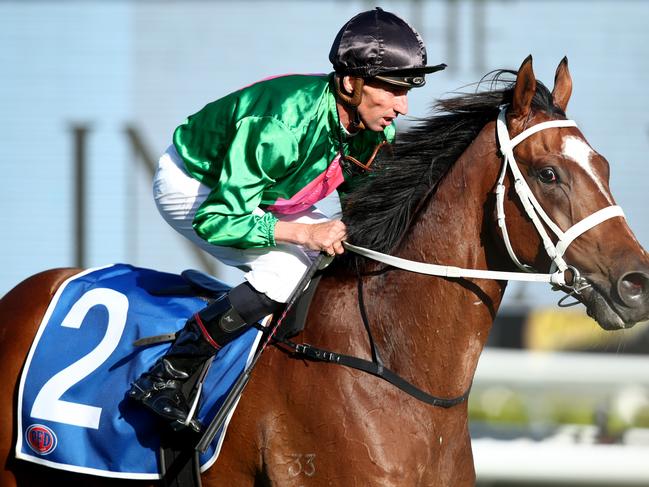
379, 212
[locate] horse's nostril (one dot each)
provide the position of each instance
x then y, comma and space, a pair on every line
633, 288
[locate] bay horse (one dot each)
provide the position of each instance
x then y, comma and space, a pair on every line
305, 423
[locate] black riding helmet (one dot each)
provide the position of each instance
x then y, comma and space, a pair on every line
378, 44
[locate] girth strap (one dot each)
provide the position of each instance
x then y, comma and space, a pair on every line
376, 369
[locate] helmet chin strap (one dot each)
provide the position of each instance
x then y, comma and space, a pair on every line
356, 122
352, 101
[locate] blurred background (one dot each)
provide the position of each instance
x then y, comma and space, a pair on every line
91, 91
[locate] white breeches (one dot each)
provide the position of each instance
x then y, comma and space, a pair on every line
274, 271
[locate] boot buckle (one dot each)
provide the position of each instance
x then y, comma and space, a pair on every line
162, 385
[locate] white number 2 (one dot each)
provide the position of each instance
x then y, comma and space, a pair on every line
48, 403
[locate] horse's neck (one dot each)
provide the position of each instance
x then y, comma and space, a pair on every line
433, 328
455, 228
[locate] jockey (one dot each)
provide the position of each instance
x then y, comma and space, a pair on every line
243, 174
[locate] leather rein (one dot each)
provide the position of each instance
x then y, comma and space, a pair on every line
556, 277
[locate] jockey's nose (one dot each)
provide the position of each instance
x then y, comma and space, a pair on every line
401, 104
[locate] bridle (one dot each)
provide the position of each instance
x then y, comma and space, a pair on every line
534, 210
559, 267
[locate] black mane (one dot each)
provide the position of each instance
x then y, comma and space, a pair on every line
380, 211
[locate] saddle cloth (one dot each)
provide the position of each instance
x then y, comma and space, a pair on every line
72, 410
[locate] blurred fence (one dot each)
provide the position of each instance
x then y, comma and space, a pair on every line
518, 463
566, 454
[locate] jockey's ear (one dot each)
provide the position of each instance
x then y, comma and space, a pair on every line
523, 90
350, 90
562, 85
348, 85
351, 84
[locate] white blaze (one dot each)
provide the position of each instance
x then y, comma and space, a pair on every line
578, 150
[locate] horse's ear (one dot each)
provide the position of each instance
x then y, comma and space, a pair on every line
562, 85
524, 89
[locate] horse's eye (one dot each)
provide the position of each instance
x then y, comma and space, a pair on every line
548, 175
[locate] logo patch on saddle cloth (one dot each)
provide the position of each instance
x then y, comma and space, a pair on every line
73, 412
41, 439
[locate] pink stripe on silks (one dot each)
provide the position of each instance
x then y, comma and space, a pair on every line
316, 190
206, 335
282, 76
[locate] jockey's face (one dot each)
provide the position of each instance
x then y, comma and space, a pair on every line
381, 104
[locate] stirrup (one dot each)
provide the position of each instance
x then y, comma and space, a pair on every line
179, 426
191, 421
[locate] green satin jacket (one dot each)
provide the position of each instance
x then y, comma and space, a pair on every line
262, 143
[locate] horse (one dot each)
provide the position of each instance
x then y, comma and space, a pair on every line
432, 200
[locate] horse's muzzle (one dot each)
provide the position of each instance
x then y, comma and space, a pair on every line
619, 303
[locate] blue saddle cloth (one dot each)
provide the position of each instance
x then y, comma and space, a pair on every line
72, 410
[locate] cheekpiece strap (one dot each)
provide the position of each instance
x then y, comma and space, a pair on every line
530, 203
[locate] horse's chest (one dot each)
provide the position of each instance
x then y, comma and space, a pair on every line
362, 433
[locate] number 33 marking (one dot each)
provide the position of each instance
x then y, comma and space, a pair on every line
297, 467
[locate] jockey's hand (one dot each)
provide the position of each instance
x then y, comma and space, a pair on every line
327, 237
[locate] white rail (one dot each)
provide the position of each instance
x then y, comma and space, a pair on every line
592, 465
524, 461
529, 370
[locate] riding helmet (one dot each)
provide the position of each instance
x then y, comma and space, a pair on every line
378, 44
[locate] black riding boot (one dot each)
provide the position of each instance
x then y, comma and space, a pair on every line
160, 388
